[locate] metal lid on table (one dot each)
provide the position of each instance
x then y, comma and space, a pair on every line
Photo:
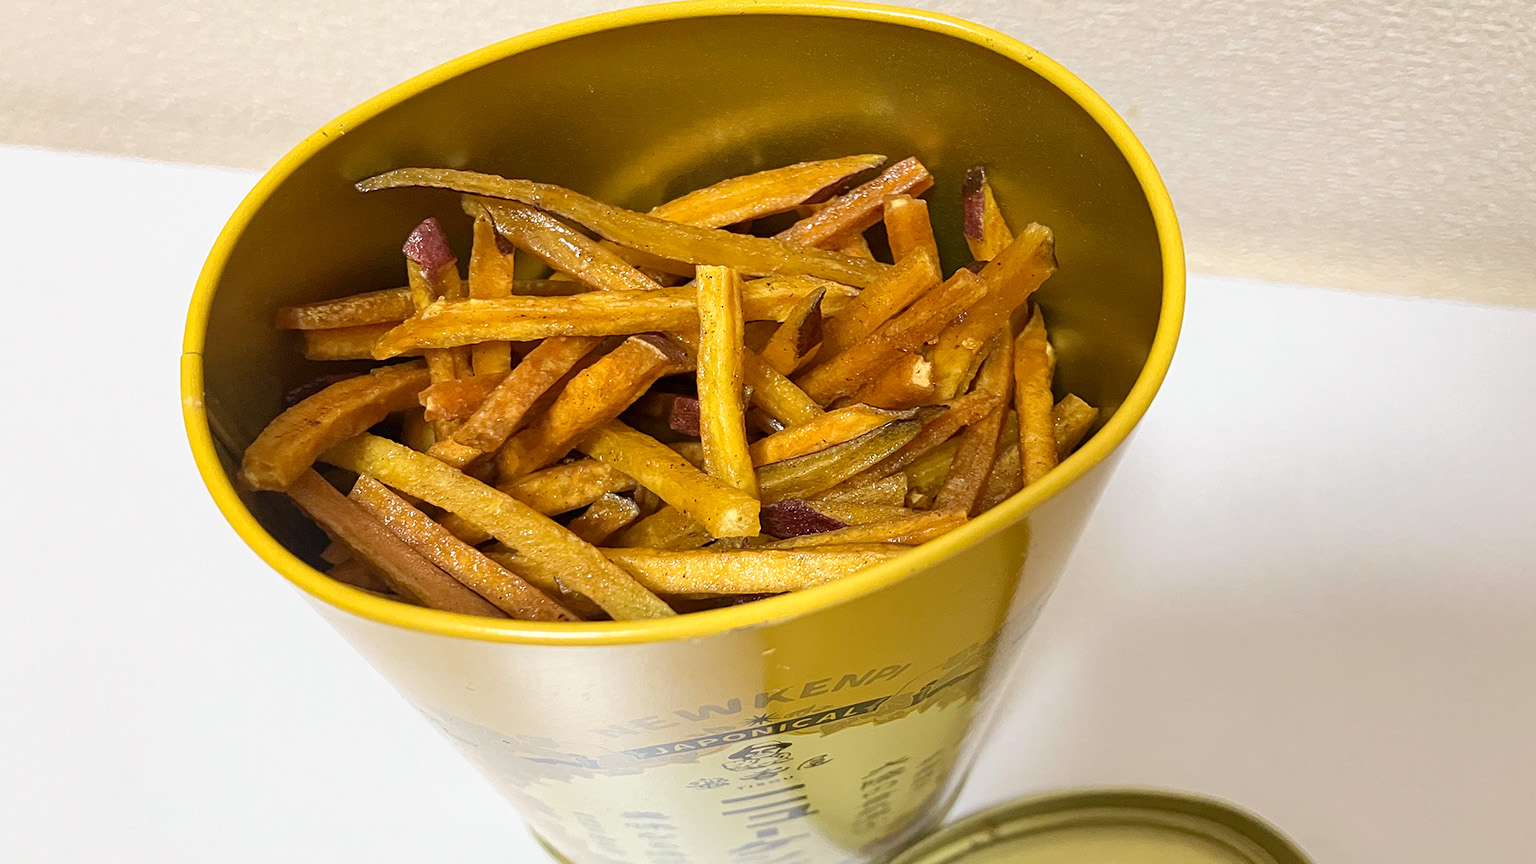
1102, 826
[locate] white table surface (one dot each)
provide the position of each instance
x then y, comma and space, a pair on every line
1310, 588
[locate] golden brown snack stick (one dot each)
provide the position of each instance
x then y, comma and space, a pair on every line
667, 528
506, 591
345, 343
962, 412
444, 364
908, 383
848, 370
664, 271
433, 274
776, 395
596, 395
908, 228
1032, 397
355, 310
856, 513
796, 339
722, 509
296, 437
775, 298
393, 305
465, 530
336, 552
582, 606
908, 530
912, 277
805, 476
401, 567
490, 276
1010, 279
527, 318
972, 465
562, 247
504, 408
860, 208
458, 398
569, 486
679, 242
763, 193
821, 432
925, 476
974, 459
1070, 420
985, 231
890, 490
1007, 475
603, 517
722, 414
693, 451
855, 246
746, 571
543, 545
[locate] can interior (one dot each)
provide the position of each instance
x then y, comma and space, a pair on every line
641, 113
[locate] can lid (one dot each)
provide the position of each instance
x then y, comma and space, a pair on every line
1126, 826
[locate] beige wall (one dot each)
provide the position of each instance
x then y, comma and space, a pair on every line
1381, 145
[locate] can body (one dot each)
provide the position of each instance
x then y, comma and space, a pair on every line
824, 726
827, 738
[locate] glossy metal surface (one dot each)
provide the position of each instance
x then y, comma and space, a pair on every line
1125, 826
834, 722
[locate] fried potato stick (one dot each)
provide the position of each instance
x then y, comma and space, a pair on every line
908, 228
821, 432
746, 571
722, 509
763, 193
908, 383
1070, 420
603, 517
722, 414
985, 231
345, 343
796, 339
860, 208
596, 395
1032, 395
562, 247
499, 414
406, 571
355, 310
977, 453
296, 437
490, 277
909, 530
544, 546
679, 242
849, 370
506, 591
913, 276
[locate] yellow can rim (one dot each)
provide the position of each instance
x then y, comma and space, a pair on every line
697, 624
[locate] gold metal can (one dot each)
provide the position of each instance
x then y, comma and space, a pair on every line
829, 725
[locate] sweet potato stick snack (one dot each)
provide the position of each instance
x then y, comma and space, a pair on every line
683, 412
